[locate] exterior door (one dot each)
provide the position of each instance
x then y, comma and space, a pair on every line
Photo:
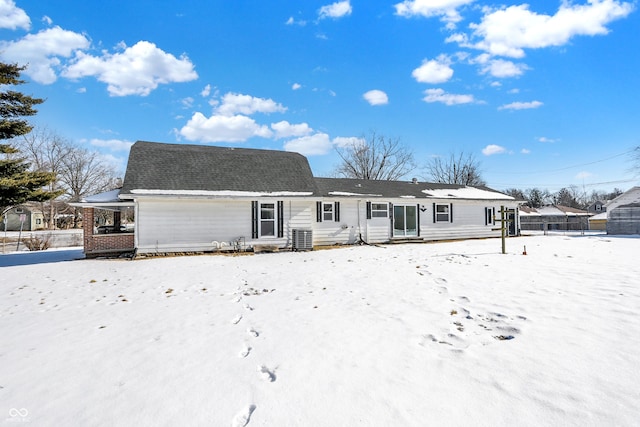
405, 221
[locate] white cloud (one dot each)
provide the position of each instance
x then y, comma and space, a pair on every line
447, 10
584, 175
376, 97
284, 129
312, 145
434, 70
206, 91
544, 139
439, 95
525, 151
521, 105
12, 17
348, 141
335, 10
510, 30
47, 20
234, 103
137, 70
222, 128
187, 102
292, 21
42, 52
500, 68
296, 86
492, 149
112, 144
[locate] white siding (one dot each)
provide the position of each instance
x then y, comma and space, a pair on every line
468, 220
193, 225
344, 231
185, 225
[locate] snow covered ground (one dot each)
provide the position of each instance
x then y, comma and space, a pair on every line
406, 335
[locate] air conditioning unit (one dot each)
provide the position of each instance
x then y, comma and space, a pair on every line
302, 240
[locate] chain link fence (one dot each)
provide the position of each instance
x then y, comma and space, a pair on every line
39, 240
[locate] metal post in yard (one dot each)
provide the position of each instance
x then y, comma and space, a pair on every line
22, 218
503, 226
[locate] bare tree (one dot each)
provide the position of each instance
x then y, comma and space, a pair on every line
515, 193
84, 173
375, 157
461, 169
46, 150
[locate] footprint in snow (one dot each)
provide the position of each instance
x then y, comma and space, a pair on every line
243, 417
237, 319
245, 352
253, 332
267, 373
248, 307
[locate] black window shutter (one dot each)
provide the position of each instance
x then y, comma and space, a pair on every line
336, 214
368, 210
254, 219
451, 212
318, 211
418, 218
280, 218
434, 212
493, 217
486, 216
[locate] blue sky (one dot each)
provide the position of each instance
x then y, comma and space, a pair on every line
542, 94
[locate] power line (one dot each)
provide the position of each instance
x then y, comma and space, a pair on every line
569, 167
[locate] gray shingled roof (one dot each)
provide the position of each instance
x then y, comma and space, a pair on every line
191, 168
388, 189
179, 167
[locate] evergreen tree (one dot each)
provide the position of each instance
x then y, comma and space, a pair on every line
17, 183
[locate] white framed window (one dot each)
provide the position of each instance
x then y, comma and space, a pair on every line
267, 219
490, 216
379, 210
442, 213
327, 211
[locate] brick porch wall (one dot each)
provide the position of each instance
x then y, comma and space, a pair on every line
95, 244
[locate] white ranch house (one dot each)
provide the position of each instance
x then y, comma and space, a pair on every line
192, 198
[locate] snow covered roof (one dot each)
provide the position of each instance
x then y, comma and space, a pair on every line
222, 193
106, 197
630, 196
404, 189
466, 193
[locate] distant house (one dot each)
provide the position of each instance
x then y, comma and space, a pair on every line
26, 217
623, 213
597, 207
192, 198
554, 217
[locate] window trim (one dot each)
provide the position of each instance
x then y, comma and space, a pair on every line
438, 217
327, 211
257, 221
382, 212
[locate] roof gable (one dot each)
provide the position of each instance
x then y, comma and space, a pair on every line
161, 168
